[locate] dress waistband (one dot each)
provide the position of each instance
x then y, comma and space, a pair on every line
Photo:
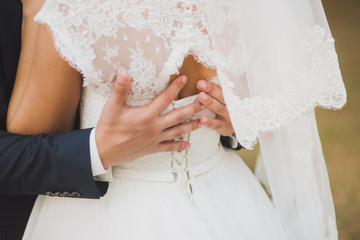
168, 177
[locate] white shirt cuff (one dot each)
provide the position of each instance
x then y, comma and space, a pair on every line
234, 141
98, 171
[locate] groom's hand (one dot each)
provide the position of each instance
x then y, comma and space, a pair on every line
125, 133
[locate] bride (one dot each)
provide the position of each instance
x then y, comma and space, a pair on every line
274, 61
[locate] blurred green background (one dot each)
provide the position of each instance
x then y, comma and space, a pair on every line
340, 130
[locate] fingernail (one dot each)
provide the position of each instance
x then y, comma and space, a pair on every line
202, 107
202, 85
204, 97
187, 146
122, 78
184, 79
205, 120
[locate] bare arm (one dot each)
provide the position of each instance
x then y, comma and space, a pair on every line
47, 90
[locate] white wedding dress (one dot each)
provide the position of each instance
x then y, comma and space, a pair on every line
220, 200
206, 192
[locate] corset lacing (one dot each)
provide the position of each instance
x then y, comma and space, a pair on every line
180, 169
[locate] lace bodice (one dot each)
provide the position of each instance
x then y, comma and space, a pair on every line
150, 39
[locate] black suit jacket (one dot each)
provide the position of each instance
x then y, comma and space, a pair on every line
32, 165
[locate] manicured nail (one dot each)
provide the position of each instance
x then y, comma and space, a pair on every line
187, 146
205, 120
122, 78
202, 85
202, 107
184, 79
204, 97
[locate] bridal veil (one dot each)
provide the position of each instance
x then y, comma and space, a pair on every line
289, 65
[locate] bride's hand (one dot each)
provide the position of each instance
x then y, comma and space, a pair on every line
211, 96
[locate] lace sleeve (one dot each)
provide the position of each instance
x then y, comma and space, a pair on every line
65, 30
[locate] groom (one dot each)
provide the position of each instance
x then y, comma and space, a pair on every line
62, 165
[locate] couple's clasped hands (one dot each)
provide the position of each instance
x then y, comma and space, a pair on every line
125, 133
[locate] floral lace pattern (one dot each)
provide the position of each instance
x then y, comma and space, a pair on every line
150, 39
322, 86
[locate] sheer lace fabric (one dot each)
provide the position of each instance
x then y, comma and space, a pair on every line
149, 40
275, 61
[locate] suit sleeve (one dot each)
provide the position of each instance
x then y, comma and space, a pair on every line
230, 142
55, 165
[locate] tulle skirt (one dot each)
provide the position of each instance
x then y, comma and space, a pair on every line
228, 203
